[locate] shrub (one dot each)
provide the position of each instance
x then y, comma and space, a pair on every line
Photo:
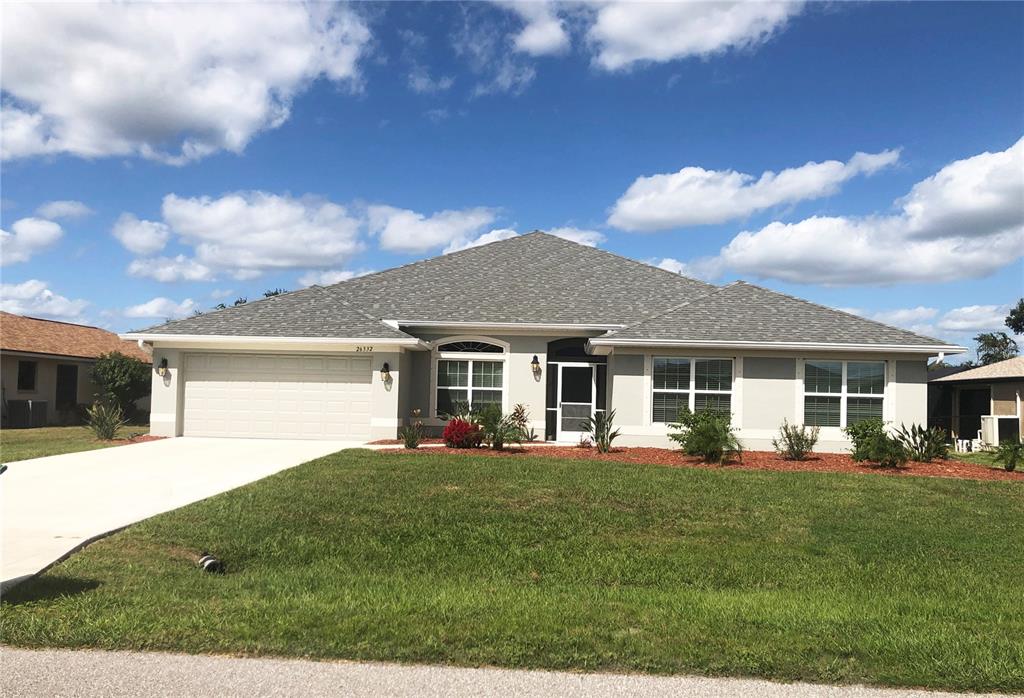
871, 443
121, 380
412, 433
795, 442
599, 426
584, 442
497, 429
461, 433
707, 434
1009, 454
923, 444
862, 434
521, 417
104, 420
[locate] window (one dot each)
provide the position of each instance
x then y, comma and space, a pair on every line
841, 393
699, 384
466, 380
27, 376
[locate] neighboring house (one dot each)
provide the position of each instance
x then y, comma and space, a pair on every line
45, 368
562, 328
979, 403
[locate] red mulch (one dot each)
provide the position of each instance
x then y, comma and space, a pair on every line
141, 438
399, 442
752, 460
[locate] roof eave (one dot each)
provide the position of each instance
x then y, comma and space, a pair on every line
213, 340
795, 346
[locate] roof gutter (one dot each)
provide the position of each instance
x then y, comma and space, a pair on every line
210, 339
605, 346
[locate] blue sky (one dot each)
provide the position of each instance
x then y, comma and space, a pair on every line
296, 144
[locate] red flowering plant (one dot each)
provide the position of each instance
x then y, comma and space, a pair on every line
461, 433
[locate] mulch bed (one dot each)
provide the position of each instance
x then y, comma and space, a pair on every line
141, 438
399, 442
752, 460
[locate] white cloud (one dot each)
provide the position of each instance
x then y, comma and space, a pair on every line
590, 238
488, 55
161, 308
330, 276
33, 297
975, 318
624, 33
245, 234
402, 230
420, 81
493, 236
167, 269
28, 237
64, 209
544, 33
141, 237
169, 82
707, 269
919, 244
695, 196
973, 197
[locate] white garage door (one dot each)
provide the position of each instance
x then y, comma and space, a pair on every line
282, 397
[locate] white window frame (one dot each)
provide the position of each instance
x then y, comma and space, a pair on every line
469, 356
691, 390
843, 393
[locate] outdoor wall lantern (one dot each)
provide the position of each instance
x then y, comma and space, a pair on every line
161, 370
385, 372
535, 365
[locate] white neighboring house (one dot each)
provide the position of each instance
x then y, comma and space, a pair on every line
561, 328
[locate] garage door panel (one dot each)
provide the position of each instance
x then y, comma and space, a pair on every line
271, 396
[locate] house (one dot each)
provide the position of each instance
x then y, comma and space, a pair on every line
45, 367
561, 328
981, 403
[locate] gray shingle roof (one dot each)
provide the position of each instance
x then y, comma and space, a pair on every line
535, 278
311, 312
742, 312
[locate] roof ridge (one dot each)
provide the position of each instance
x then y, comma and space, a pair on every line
842, 312
214, 311
715, 289
58, 322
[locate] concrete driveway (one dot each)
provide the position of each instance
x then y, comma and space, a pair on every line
52, 505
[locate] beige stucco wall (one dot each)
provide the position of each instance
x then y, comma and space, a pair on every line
767, 388
1005, 397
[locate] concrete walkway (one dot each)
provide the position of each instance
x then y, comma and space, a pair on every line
90, 673
51, 506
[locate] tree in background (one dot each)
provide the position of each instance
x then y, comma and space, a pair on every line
274, 292
121, 380
1015, 320
994, 347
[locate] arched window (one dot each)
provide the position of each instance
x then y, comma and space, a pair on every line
469, 372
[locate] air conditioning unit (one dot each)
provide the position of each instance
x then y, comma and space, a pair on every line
23, 414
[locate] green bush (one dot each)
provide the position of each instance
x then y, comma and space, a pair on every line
121, 381
412, 433
862, 434
707, 434
599, 426
795, 442
521, 417
498, 429
1009, 454
872, 444
104, 420
923, 444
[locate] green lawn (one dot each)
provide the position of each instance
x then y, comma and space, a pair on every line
981, 458
535, 562
20, 444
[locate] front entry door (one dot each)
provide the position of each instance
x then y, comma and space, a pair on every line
576, 393
67, 386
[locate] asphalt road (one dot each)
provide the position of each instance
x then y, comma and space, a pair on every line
26, 673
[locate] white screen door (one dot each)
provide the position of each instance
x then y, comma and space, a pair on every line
577, 390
